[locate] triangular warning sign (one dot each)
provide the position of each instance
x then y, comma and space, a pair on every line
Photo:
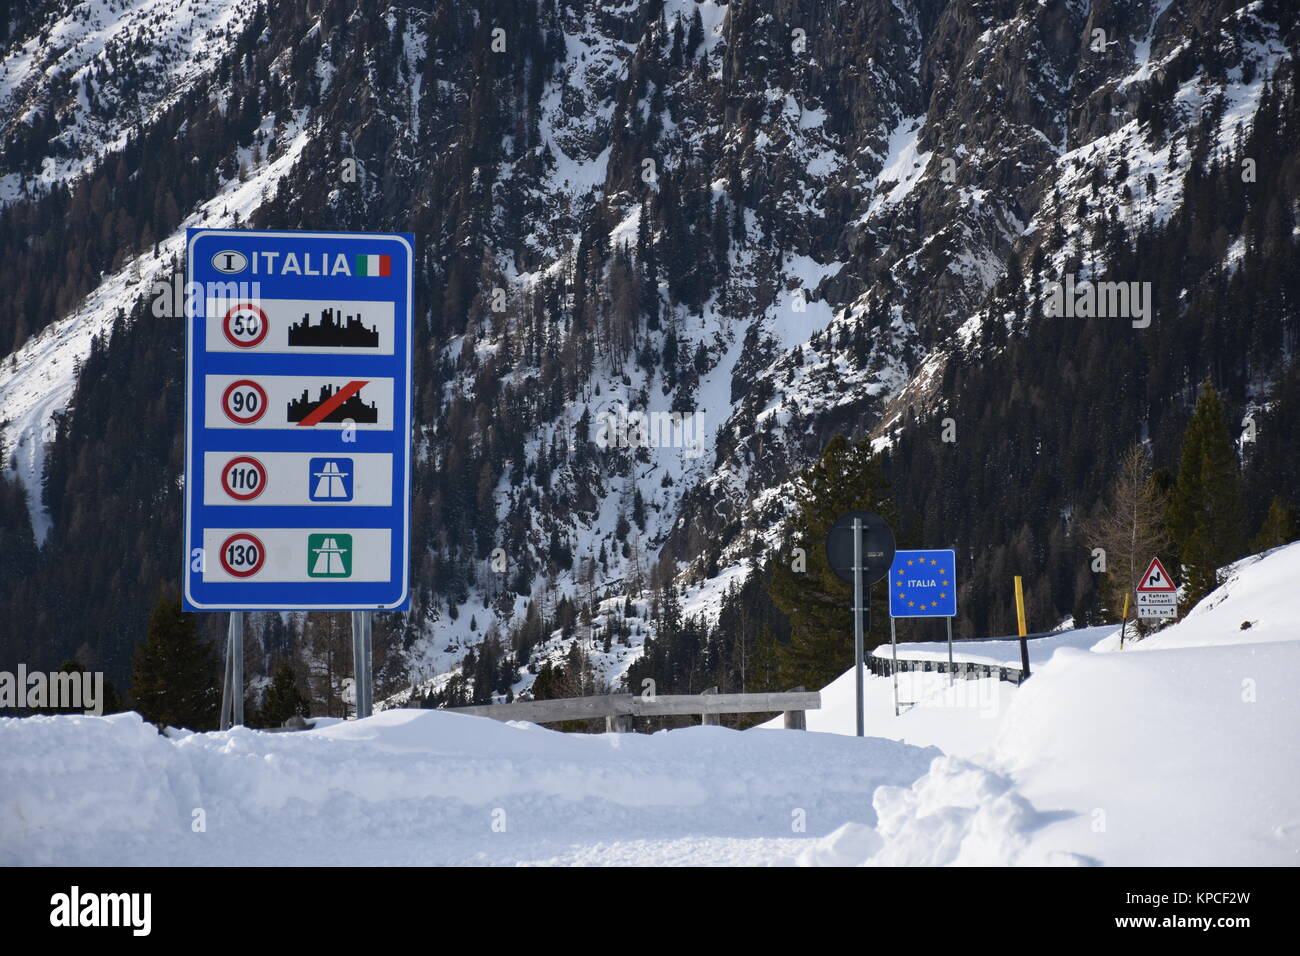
1156, 578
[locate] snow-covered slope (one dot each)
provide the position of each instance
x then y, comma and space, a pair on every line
38, 380
1256, 603
1185, 755
106, 68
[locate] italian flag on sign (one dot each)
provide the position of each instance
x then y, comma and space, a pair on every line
374, 265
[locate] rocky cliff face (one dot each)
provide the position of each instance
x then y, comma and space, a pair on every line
788, 218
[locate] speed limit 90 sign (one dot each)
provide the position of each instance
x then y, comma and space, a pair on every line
244, 401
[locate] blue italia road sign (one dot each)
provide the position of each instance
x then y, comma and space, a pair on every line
297, 420
923, 584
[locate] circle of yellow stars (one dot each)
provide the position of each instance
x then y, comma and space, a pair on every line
942, 574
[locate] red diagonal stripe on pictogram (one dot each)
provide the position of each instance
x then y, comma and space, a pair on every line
331, 403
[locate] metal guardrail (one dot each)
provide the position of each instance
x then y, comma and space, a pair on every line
966, 670
619, 709
291, 725
1009, 637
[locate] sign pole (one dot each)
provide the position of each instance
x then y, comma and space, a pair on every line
236, 652
1020, 620
358, 664
859, 550
224, 720
950, 674
367, 637
893, 640
857, 618
1123, 626
362, 662
365, 668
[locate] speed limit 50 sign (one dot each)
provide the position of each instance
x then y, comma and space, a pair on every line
297, 420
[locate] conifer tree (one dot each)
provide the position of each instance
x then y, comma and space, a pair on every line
174, 680
1280, 527
765, 664
1205, 507
847, 477
283, 699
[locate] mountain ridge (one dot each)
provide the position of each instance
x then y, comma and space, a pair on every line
799, 258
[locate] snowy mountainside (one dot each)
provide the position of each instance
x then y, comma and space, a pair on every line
95, 71
781, 223
38, 379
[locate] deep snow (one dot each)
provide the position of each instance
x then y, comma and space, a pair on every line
429, 787
1183, 754
1179, 750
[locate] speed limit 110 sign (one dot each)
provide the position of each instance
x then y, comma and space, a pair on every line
297, 420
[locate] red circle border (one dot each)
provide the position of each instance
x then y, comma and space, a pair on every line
261, 555
261, 470
225, 399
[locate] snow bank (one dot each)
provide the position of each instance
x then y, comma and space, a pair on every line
1185, 755
958, 813
1188, 757
428, 787
959, 717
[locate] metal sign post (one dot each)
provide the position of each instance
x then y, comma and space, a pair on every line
951, 676
358, 665
857, 621
232, 683
370, 661
893, 644
362, 654
223, 722
237, 666
859, 549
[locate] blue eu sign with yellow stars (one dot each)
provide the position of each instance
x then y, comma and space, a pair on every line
923, 584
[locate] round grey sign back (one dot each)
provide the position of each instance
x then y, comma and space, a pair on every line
877, 547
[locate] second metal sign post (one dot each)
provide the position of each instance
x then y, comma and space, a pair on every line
860, 550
